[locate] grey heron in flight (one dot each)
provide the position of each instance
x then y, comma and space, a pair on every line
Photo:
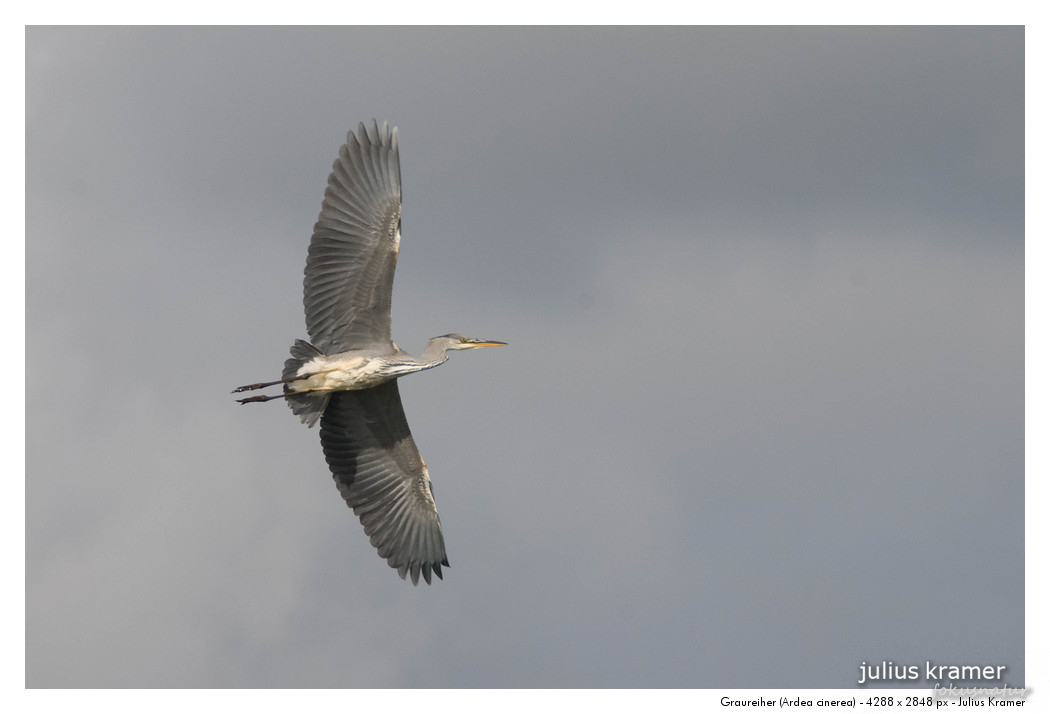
346, 377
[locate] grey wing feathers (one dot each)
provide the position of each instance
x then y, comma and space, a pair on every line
353, 251
381, 476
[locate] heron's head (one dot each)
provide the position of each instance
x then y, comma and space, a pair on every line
459, 342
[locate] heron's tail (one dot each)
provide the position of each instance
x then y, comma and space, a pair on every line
308, 407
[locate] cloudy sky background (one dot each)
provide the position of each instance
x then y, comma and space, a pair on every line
762, 415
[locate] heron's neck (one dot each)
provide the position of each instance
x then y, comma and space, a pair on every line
434, 354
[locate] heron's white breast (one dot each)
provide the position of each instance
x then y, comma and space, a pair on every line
339, 373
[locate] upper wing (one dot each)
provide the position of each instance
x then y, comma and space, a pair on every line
353, 251
379, 472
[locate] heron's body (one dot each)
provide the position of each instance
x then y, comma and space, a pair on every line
355, 369
346, 377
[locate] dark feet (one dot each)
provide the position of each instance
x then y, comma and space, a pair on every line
259, 398
250, 387
260, 385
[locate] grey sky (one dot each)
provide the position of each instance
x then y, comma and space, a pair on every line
761, 417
